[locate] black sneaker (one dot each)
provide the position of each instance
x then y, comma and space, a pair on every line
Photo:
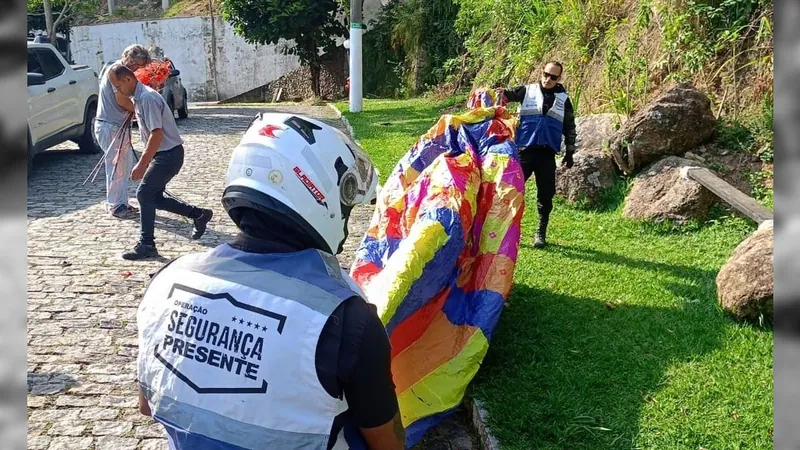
125, 212
141, 251
201, 222
541, 233
541, 240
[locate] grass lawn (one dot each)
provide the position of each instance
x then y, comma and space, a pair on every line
613, 338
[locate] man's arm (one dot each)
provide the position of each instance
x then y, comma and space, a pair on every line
149, 153
123, 101
389, 436
153, 142
570, 131
144, 407
150, 114
151, 110
370, 391
516, 94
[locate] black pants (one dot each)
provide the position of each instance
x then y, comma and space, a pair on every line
164, 166
540, 161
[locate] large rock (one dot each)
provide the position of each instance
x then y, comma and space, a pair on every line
662, 193
673, 124
594, 171
745, 283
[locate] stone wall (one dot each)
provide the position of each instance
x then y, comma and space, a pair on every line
296, 85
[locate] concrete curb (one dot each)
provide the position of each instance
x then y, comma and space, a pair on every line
480, 422
335, 109
345, 121
352, 135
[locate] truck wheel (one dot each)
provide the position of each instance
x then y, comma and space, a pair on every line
183, 112
87, 143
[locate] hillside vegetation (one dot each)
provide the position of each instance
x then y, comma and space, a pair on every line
618, 56
127, 10
618, 52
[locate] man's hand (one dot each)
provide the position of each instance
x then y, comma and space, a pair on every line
139, 169
567, 161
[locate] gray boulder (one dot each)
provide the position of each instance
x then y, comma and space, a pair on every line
677, 122
745, 285
663, 193
594, 171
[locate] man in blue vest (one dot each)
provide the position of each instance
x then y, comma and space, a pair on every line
265, 342
546, 115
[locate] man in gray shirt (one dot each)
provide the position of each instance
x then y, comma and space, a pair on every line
112, 110
161, 161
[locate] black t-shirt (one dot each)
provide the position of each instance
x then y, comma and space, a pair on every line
353, 354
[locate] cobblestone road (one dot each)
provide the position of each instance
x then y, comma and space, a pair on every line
82, 296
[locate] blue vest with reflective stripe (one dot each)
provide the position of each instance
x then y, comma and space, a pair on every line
536, 128
227, 356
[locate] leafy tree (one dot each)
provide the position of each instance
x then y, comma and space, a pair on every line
313, 25
57, 14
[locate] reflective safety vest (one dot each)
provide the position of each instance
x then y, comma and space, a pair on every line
536, 128
227, 350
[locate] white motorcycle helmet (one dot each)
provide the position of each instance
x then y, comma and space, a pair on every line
301, 172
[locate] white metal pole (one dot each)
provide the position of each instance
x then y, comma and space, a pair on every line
356, 30
355, 69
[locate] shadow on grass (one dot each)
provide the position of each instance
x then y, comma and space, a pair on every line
597, 256
694, 286
613, 198
574, 372
415, 127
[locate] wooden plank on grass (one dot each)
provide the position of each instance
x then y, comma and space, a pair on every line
734, 197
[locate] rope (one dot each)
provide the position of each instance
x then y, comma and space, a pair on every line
126, 126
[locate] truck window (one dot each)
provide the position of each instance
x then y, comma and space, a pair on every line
51, 64
33, 63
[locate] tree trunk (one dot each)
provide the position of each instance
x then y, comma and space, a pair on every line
48, 20
315, 72
417, 68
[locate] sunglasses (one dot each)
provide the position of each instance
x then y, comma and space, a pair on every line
551, 76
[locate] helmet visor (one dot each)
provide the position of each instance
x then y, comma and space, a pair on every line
358, 185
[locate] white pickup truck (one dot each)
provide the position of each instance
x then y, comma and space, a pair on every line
62, 101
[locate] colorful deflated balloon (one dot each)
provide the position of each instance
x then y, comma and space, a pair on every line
439, 256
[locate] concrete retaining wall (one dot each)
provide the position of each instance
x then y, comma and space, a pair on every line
240, 67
